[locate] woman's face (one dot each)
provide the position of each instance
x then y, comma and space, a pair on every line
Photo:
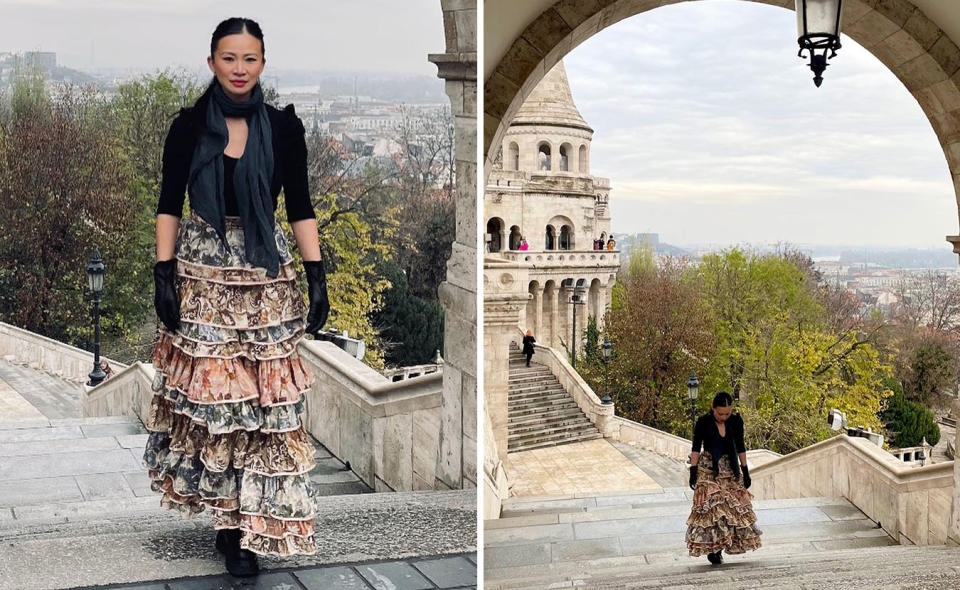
721, 413
237, 64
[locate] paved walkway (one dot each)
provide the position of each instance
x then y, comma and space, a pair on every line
667, 472
582, 468
446, 572
29, 394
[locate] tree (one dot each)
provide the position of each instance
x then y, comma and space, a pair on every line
910, 423
411, 327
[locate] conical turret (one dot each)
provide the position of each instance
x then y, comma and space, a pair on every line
551, 103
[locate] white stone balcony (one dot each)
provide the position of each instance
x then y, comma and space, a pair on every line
565, 258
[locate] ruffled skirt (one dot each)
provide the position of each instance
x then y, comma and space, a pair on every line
228, 397
722, 516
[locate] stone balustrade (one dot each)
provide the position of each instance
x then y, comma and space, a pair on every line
39, 352
565, 258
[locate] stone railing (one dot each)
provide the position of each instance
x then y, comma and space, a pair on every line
913, 504
388, 431
565, 258
46, 354
599, 413
670, 445
495, 485
402, 373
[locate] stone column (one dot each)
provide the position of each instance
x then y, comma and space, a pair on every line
501, 312
504, 239
457, 66
566, 316
555, 318
953, 532
538, 313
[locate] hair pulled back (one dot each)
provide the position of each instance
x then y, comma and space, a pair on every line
722, 399
233, 26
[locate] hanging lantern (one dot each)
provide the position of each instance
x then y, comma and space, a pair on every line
818, 31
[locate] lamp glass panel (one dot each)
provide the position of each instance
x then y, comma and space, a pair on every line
96, 282
821, 17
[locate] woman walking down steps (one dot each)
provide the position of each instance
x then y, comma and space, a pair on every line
722, 516
225, 419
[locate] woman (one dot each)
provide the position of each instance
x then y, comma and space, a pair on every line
722, 516
524, 246
528, 341
225, 420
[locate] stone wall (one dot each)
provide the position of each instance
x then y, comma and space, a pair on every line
39, 352
913, 504
456, 463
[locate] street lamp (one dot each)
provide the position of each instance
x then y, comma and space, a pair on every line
607, 350
95, 272
693, 390
575, 300
818, 31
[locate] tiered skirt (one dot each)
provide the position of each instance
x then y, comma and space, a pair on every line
722, 516
225, 417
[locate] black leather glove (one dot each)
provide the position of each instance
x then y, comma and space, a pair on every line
693, 477
165, 298
746, 476
317, 291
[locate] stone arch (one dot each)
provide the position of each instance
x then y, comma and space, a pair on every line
534, 305
565, 153
565, 232
583, 166
549, 238
595, 304
513, 156
914, 48
514, 237
495, 229
544, 156
550, 313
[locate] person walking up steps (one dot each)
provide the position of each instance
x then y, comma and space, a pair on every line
528, 341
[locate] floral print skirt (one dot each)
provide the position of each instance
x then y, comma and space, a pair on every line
722, 516
228, 396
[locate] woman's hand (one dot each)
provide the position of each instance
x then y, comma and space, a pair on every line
746, 476
693, 477
317, 291
165, 299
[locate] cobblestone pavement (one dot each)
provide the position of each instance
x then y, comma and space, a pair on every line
446, 572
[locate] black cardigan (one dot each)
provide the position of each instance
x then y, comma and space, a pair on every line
733, 441
289, 160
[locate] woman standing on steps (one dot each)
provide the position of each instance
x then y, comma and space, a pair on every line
722, 516
528, 341
225, 419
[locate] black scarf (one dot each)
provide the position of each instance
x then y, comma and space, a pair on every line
252, 176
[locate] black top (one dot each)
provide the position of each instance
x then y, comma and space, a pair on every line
289, 162
528, 344
706, 425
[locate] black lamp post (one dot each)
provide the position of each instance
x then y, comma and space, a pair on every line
693, 390
818, 31
575, 300
607, 350
95, 272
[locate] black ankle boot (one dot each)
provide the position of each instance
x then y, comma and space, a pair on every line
715, 558
240, 562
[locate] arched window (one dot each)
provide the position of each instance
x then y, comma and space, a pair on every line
515, 238
549, 239
565, 150
513, 156
565, 237
543, 157
583, 160
494, 226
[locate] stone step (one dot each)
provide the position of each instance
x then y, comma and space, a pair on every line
544, 400
887, 566
550, 431
529, 380
517, 448
146, 546
515, 430
531, 417
532, 386
535, 393
535, 411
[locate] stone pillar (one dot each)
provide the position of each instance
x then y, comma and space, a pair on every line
538, 313
566, 316
555, 318
457, 461
501, 312
953, 532
504, 240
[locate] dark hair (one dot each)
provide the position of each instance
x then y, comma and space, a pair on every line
234, 26
722, 399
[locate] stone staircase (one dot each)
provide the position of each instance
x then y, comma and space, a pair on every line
76, 509
637, 541
540, 412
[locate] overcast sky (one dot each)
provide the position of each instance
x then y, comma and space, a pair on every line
370, 35
712, 131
